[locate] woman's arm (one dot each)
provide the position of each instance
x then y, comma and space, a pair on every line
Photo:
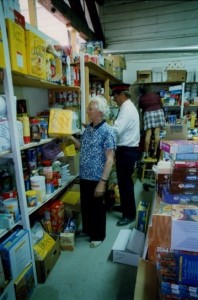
101, 186
75, 141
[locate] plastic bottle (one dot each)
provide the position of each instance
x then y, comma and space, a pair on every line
26, 128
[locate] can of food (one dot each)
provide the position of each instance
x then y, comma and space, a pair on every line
49, 187
32, 198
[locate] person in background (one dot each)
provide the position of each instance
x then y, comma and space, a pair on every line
97, 147
127, 127
153, 118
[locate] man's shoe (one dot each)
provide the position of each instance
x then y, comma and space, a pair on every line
124, 221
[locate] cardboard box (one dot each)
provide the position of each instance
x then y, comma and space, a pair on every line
144, 76
179, 146
36, 55
44, 267
118, 61
118, 73
24, 284
176, 75
142, 216
128, 247
15, 253
16, 39
147, 286
108, 65
176, 132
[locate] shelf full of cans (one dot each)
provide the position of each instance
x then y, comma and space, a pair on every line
65, 98
44, 176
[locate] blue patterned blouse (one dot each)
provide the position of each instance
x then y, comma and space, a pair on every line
94, 142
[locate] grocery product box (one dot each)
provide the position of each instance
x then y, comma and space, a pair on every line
24, 284
16, 39
118, 61
108, 65
36, 54
144, 76
128, 247
62, 122
15, 253
44, 267
176, 75
67, 241
179, 146
2, 57
6, 221
176, 132
118, 73
142, 215
184, 229
178, 198
71, 198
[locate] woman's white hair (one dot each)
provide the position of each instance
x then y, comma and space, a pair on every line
102, 105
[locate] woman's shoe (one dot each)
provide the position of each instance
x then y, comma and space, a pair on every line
95, 244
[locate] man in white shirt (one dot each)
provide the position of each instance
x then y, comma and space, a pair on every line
127, 126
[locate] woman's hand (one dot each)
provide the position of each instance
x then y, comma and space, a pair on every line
100, 189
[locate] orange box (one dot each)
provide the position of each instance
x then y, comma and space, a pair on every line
16, 39
36, 55
2, 57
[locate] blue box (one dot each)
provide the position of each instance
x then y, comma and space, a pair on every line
142, 216
15, 253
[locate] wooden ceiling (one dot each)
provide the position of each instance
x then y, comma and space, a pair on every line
74, 14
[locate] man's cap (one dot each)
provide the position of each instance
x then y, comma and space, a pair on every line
119, 87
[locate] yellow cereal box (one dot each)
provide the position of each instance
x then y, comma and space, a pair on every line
36, 55
2, 58
16, 39
62, 122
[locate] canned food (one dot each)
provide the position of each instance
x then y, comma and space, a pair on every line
32, 198
49, 187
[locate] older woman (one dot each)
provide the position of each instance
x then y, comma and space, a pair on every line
97, 145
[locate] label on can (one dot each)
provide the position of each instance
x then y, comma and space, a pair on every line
32, 198
49, 187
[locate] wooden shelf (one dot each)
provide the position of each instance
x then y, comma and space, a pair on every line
158, 83
50, 196
31, 81
100, 73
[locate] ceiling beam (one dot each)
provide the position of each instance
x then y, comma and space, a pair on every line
77, 7
68, 16
91, 6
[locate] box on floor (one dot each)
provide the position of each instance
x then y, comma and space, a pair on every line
128, 247
24, 283
44, 267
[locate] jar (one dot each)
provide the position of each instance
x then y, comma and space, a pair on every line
35, 130
47, 169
